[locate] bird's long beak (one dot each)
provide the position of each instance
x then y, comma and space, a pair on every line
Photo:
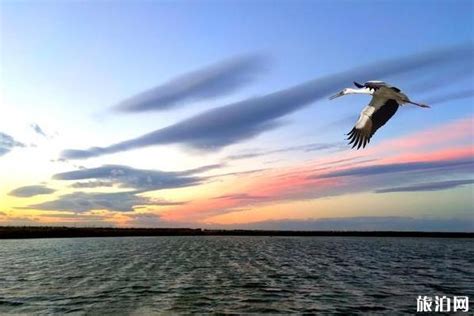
419, 104
339, 94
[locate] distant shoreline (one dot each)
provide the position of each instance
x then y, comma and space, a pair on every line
26, 232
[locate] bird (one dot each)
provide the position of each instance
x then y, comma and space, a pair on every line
386, 100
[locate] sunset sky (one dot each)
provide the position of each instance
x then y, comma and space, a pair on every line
216, 114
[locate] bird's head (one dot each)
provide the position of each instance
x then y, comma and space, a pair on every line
340, 93
361, 90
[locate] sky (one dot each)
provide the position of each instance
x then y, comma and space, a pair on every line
215, 114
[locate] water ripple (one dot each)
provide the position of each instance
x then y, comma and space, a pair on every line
152, 275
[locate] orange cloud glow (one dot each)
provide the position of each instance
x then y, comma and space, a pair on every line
302, 182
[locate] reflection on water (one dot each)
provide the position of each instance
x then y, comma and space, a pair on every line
230, 274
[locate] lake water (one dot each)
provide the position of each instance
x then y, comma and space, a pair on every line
152, 275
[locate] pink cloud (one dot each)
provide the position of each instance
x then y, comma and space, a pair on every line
444, 134
302, 182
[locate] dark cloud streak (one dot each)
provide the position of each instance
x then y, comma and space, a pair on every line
210, 82
31, 190
8, 143
430, 186
91, 184
453, 96
140, 179
400, 167
38, 130
229, 124
305, 148
83, 202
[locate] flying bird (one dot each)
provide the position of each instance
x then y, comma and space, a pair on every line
384, 104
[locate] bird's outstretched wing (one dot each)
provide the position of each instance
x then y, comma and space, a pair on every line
370, 120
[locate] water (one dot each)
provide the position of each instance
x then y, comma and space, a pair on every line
151, 275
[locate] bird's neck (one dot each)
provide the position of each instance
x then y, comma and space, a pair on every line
359, 91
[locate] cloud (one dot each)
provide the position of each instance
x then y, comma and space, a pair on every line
305, 148
140, 179
202, 169
312, 147
240, 173
76, 217
458, 95
241, 197
81, 202
452, 75
91, 184
144, 220
460, 165
19, 221
210, 82
445, 134
229, 124
31, 190
371, 223
38, 130
7, 143
344, 162
341, 174
429, 186
84, 202
246, 155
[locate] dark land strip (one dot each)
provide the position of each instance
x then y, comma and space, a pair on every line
20, 232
